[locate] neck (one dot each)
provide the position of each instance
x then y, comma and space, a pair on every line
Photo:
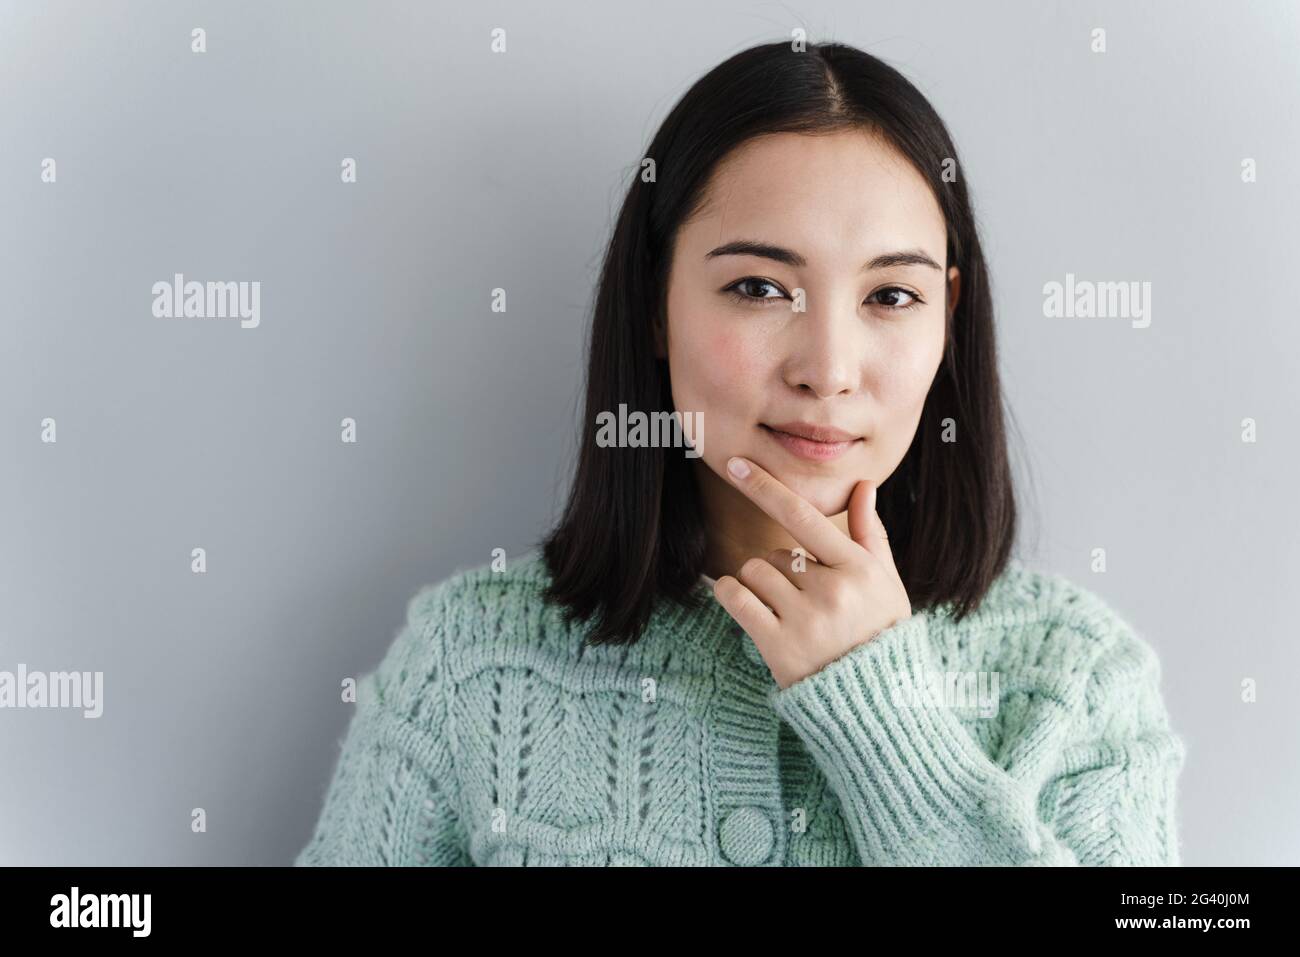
736, 529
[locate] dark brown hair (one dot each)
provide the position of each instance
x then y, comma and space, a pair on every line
633, 531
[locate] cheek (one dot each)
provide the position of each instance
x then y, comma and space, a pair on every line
717, 370
906, 378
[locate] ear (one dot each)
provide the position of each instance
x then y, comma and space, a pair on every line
954, 289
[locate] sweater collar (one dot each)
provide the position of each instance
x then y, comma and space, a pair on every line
718, 632
708, 626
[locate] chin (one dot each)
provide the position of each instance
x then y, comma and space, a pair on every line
830, 496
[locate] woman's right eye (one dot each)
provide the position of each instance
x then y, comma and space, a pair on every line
744, 290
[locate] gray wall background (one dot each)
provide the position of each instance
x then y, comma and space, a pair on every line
476, 171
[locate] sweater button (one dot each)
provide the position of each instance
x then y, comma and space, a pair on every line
746, 836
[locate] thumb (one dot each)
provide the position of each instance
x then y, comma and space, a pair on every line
865, 526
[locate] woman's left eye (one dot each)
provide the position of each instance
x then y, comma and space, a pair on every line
894, 291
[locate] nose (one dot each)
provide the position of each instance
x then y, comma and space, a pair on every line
826, 351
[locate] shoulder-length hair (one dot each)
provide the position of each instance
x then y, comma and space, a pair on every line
632, 532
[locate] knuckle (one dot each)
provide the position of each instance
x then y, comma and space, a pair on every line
837, 599
752, 568
803, 516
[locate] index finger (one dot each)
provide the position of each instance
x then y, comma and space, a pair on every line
809, 527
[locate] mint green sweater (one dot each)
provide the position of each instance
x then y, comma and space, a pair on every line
488, 735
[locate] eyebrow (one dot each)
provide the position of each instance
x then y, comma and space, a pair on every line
749, 247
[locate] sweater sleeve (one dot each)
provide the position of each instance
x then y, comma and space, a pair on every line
392, 797
916, 789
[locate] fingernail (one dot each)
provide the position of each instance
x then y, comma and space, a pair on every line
738, 467
872, 503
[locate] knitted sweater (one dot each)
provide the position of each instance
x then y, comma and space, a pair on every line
488, 735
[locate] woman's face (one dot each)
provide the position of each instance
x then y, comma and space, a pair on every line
847, 221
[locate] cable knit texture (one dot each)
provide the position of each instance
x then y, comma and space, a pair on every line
488, 735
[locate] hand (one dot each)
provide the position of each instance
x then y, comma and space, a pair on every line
801, 621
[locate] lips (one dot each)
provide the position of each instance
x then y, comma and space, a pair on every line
817, 443
814, 433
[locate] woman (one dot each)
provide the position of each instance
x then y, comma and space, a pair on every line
795, 634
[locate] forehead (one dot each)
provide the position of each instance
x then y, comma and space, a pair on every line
826, 194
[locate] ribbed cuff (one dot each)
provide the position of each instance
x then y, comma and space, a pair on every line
915, 788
